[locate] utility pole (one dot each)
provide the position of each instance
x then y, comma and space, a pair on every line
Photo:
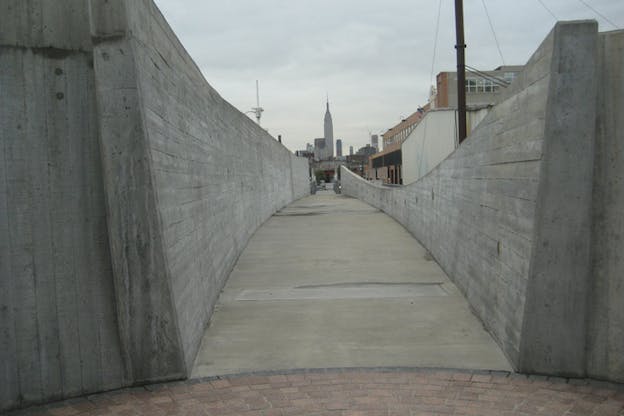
461, 70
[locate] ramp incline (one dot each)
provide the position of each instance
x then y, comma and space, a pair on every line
330, 281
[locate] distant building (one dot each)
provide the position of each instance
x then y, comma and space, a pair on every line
375, 141
319, 149
367, 150
338, 148
399, 132
350, 150
309, 147
328, 128
304, 153
357, 164
482, 87
387, 164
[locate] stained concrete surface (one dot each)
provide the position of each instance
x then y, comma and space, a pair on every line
330, 281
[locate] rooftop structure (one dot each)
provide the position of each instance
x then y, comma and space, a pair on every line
399, 132
482, 87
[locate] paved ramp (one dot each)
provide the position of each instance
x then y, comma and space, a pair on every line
332, 282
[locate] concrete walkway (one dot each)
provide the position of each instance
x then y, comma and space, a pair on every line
330, 282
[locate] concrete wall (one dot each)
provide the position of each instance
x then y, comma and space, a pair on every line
606, 322
58, 322
128, 189
508, 215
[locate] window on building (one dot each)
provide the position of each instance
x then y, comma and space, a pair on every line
480, 85
510, 76
471, 85
488, 85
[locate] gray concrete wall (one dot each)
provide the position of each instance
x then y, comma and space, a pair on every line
554, 326
508, 215
151, 340
215, 175
58, 322
606, 320
128, 189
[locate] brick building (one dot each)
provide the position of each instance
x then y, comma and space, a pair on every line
482, 87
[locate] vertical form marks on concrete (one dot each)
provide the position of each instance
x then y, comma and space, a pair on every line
554, 327
8, 349
57, 273
57, 165
77, 217
605, 335
18, 295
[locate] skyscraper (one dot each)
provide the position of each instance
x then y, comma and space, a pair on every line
375, 141
338, 148
329, 134
319, 149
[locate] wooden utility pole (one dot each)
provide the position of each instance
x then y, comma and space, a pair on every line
460, 46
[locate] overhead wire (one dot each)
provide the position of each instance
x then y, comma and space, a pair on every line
548, 10
599, 14
499, 81
493, 31
435, 42
435, 47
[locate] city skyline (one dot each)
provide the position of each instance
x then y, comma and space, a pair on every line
374, 58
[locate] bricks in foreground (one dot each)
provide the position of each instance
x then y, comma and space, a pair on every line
356, 392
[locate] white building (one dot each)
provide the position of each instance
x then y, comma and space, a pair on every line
433, 139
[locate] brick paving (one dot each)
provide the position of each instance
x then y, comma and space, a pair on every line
353, 392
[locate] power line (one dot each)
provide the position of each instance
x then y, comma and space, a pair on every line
493, 32
499, 81
599, 14
548, 10
435, 42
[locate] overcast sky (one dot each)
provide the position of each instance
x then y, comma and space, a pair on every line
373, 57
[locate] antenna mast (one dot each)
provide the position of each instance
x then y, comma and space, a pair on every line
257, 109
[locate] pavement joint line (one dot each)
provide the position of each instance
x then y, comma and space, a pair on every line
343, 370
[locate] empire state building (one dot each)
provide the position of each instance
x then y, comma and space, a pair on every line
329, 134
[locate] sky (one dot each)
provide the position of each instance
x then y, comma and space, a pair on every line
374, 59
